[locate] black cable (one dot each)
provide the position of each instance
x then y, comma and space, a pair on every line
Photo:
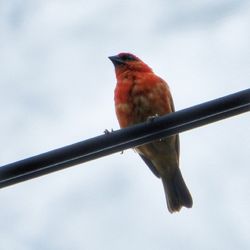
122, 139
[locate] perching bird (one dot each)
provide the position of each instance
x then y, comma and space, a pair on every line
139, 95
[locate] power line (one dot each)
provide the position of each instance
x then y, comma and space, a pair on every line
122, 139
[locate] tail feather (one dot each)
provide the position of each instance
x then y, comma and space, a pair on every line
176, 191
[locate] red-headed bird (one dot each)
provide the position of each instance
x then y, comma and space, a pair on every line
139, 95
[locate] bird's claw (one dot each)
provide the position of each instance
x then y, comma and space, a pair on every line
106, 131
152, 118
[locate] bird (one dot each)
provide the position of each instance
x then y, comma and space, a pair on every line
139, 96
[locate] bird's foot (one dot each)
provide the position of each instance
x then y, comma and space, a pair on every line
106, 131
152, 118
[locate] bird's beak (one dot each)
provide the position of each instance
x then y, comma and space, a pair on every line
116, 60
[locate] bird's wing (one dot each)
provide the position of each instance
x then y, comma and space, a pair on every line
172, 104
177, 141
150, 165
177, 145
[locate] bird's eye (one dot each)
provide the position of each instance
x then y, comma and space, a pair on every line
127, 57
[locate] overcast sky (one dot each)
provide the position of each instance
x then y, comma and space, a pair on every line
57, 88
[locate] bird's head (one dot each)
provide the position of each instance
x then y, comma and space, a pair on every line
128, 62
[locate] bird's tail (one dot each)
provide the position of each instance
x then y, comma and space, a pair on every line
176, 191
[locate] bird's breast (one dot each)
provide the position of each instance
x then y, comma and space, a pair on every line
137, 98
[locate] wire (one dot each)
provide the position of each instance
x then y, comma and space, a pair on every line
122, 139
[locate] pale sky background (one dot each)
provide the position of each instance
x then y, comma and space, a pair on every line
57, 88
